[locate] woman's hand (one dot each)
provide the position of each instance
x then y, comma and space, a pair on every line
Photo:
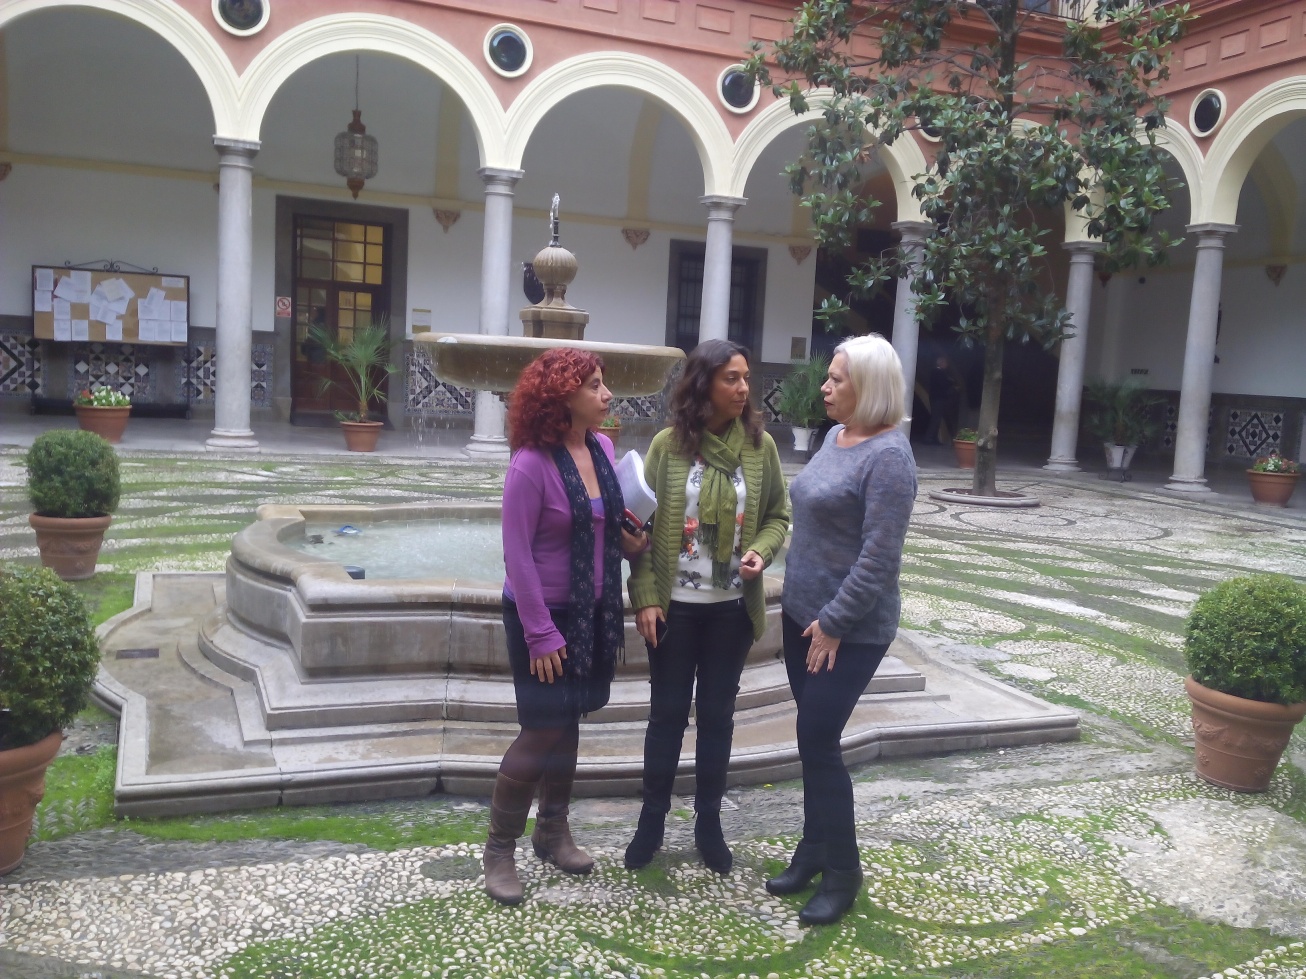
549, 666
822, 650
751, 565
633, 544
646, 622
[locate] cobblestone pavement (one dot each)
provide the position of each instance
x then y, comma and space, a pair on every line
1102, 857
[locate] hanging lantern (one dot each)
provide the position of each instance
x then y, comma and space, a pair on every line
356, 152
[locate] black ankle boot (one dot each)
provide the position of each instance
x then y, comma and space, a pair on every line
711, 842
648, 839
833, 898
808, 861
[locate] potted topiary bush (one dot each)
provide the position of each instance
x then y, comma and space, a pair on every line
364, 359
1246, 650
800, 402
103, 411
48, 659
72, 480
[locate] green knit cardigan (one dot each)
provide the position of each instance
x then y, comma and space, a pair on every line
766, 521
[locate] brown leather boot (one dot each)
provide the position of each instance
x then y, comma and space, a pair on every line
552, 837
509, 807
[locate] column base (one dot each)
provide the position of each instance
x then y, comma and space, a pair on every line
219, 439
1062, 465
1185, 484
487, 448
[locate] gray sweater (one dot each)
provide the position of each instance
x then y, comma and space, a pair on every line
850, 511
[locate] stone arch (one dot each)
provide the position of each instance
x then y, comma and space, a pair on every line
903, 159
174, 25
342, 33
1240, 141
646, 76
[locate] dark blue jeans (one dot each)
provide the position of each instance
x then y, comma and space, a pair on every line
825, 702
707, 644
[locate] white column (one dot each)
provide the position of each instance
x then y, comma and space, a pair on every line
1199, 359
235, 271
488, 439
714, 314
1074, 349
906, 325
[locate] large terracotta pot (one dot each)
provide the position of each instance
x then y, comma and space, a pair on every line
1272, 489
70, 546
22, 786
1239, 742
108, 423
965, 453
361, 436
613, 432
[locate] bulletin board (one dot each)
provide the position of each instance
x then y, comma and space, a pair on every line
79, 305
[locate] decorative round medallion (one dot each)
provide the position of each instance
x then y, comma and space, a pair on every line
508, 50
1208, 111
242, 17
737, 89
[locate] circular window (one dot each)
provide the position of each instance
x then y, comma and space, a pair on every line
242, 17
508, 50
1208, 111
932, 133
737, 89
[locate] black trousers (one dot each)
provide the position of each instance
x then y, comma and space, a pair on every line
704, 647
825, 702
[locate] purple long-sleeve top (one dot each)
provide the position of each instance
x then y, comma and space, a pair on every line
537, 544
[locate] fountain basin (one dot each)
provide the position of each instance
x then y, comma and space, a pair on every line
493, 363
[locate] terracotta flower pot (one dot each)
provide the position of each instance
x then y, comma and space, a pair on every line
613, 432
22, 786
361, 436
1239, 742
70, 546
965, 453
108, 423
1272, 489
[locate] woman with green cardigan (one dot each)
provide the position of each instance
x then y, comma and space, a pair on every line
722, 517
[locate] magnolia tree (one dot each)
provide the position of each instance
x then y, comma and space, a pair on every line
1028, 114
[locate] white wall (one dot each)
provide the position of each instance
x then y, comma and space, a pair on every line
444, 270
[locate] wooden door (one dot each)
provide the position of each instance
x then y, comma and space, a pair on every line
340, 285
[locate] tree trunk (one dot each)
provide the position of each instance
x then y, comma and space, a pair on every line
986, 443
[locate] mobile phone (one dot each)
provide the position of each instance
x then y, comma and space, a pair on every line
631, 523
660, 630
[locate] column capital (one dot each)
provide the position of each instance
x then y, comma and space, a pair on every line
722, 206
913, 232
499, 178
229, 146
1212, 230
1083, 246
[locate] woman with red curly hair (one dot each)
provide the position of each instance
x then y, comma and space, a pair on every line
562, 601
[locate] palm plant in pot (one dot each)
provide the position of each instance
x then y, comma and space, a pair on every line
800, 401
72, 481
1246, 650
1122, 416
364, 359
48, 659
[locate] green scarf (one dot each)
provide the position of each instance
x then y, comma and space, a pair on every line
718, 503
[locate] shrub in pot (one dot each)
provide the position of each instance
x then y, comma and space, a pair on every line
72, 480
799, 399
48, 659
1246, 651
1122, 416
963, 445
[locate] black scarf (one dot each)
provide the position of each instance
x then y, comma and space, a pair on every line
587, 652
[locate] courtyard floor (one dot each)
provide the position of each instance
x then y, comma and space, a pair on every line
1102, 858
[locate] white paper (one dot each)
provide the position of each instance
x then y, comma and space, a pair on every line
42, 302
173, 282
640, 499
154, 295
63, 330
178, 332
178, 310
100, 310
113, 330
146, 330
119, 306
81, 330
82, 283
65, 289
63, 309
45, 280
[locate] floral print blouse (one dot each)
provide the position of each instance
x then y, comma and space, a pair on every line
694, 574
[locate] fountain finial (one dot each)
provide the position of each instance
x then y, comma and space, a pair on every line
553, 222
